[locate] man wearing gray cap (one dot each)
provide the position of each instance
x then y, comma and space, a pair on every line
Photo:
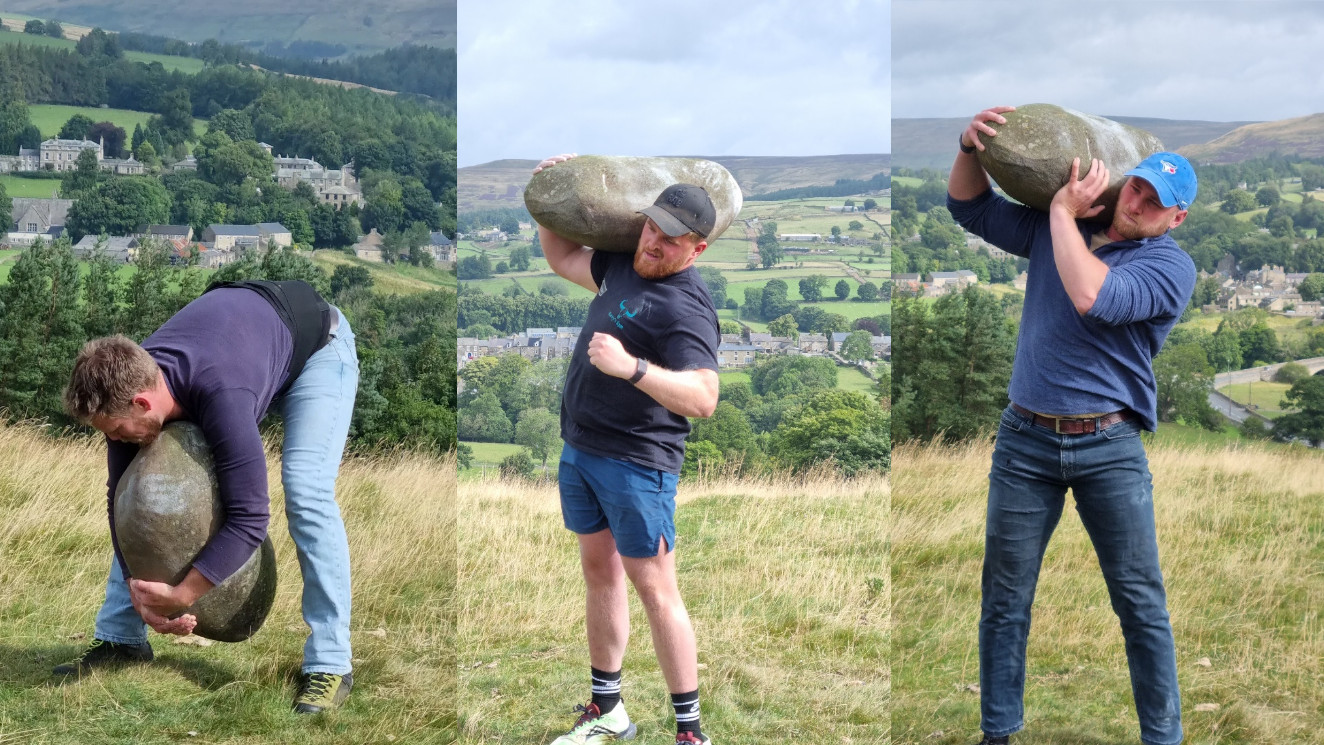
645, 361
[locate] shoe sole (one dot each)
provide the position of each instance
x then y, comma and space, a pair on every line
629, 732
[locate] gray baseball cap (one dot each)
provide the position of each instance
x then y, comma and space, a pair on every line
683, 208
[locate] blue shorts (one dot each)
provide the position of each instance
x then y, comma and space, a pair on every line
637, 503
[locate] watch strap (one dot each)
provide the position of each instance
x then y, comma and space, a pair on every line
640, 367
960, 142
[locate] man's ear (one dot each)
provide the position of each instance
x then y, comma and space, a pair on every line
699, 247
1178, 219
143, 402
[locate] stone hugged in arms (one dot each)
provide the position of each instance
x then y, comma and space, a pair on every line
1031, 156
593, 199
167, 506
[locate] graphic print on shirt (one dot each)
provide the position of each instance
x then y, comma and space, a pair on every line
624, 315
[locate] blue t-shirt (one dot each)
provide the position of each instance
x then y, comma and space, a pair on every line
224, 356
1102, 361
671, 323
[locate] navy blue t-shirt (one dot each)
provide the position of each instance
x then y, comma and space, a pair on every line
671, 323
224, 357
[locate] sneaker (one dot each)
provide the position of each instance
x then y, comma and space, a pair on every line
101, 653
688, 738
594, 727
988, 740
321, 691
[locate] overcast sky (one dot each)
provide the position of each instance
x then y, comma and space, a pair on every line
1255, 60
678, 77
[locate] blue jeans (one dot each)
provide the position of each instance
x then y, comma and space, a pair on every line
316, 412
1108, 475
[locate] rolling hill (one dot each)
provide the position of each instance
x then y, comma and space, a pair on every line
362, 28
500, 183
1303, 136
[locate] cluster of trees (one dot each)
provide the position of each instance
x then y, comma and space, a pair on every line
942, 247
1218, 181
505, 219
513, 313
1208, 235
843, 187
47, 28
772, 301
406, 345
480, 266
789, 416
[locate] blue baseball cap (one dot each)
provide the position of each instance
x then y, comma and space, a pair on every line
1171, 176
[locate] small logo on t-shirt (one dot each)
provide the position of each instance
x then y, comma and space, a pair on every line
603, 289
624, 315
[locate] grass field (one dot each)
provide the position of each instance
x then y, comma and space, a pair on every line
1241, 532
1290, 331
49, 118
786, 583
400, 518
16, 186
187, 65
1265, 397
397, 279
851, 379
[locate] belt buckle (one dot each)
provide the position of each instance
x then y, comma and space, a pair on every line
1057, 426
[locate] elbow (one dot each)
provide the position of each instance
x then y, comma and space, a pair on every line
705, 409
1084, 303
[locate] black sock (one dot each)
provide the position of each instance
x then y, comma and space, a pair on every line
687, 712
606, 689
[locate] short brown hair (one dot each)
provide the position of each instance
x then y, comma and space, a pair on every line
108, 373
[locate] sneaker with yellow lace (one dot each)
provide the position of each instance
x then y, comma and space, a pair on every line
321, 691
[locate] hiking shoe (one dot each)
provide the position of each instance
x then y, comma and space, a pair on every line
594, 727
321, 691
688, 738
101, 653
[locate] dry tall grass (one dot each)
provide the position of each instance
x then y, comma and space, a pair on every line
1241, 535
786, 581
54, 554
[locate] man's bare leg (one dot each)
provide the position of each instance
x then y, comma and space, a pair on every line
607, 609
654, 578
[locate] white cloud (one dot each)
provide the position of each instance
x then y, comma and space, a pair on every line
687, 77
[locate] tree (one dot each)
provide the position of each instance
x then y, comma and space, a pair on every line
34, 27
84, 176
1185, 378
842, 289
519, 259
517, 465
98, 43
1312, 287
857, 346
784, 326
848, 429
1259, 345
1268, 196
870, 204
76, 128
346, 278
867, 291
111, 136
119, 206
6, 203
483, 420
811, 287
175, 122
855, 225
729, 431
1238, 200
40, 330
836, 231
539, 430
236, 125
781, 376
54, 30
1306, 420
1291, 373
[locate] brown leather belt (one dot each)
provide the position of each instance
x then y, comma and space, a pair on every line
1068, 426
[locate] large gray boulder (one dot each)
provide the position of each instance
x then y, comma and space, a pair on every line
167, 506
1031, 156
594, 200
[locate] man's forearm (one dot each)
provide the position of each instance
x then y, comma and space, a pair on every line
1081, 271
967, 179
691, 393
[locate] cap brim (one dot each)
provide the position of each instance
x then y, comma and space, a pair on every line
666, 221
1165, 195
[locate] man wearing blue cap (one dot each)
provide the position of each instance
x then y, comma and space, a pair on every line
1099, 303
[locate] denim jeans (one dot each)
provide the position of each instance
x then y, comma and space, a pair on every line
316, 412
1108, 475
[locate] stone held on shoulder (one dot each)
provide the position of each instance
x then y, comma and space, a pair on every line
167, 506
1030, 158
594, 200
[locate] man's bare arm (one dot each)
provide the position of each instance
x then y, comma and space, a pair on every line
565, 257
968, 179
691, 393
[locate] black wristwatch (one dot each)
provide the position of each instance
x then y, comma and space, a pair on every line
640, 367
960, 142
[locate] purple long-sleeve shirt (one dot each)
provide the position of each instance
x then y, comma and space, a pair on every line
224, 357
1102, 361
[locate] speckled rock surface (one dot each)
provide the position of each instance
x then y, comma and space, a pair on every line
167, 506
1031, 156
594, 200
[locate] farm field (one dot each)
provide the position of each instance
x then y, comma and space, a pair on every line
188, 65
399, 279
49, 118
1265, 398
1236, 525
787, 583
16, 186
